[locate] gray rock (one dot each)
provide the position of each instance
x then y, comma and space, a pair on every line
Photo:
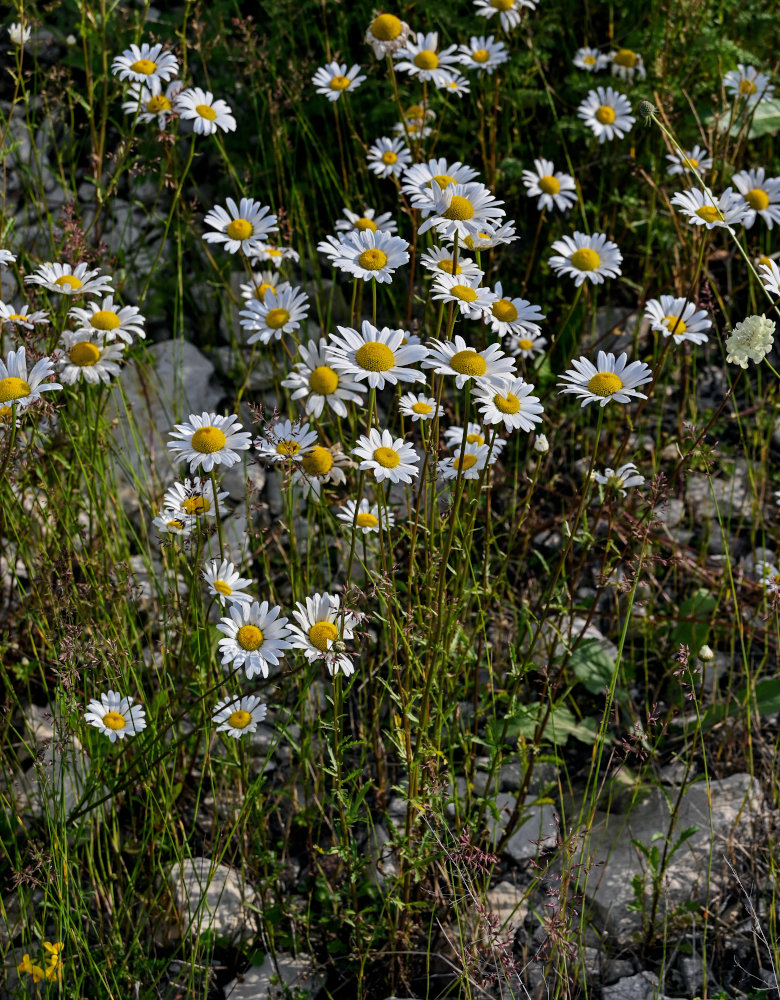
642, 986
211, 897
706, 495
671, 512
537, 832
509, 905
275, 977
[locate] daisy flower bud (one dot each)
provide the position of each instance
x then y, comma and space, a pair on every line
705, 654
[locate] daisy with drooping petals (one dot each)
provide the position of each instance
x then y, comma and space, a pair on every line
286, 440
610, 378
70, 281
334, 79
22, 316
483, 53
114, 716
525, 346
318, 383
416, 121
496, 236
367, 518
554, 190
377, 356
388, 157
148, 104
607, 113
469, 465
439, 259
206, 114
279, 313
420, 57
225, 583
238, 716
473, 299
581, 256
453, 82
372, 256
475, 437
513, 316
589, 59
85, 355
746, 83
169, 522
387, 457
762, 195
703, 209
508, 11
465, 209
7, 258
455, 357
386, 34
678, 318
262, 282
626, 64
16, 386
769, 273
419, 177
321, 624
125, 322
145, 64
625, 477
276, 255
242, 227
194, 498
419, 407
255, 636
207, 439
682, 163
368, 220
510, 403
320, 465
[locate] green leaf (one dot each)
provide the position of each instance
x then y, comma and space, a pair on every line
592, 665
694, 631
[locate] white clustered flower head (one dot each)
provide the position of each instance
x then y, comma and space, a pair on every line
386, 34
769, 273
286, 441
145, 64
610, 378
746, 83
114, 716
68, 280
365, 517
581, 256
762, 195
333, 80
513, 317
242, 227
750, 340
110, 320
472, 299
85, 355
607, 113
22, 316
321, 624
697, 159
508, 10
16, 386
19, 33
678, 318
255, 636
314, 380
368, 220
280, 312
387, 457
510, 404
589, 59
225, 583
419, 407
238, 716
378, 356
206, 114
149, 104
702, 208
194, 498
462, 209
456, 358
483, 53
554, 190
388, 157
207, 440
625, 477
420, 57
626, 63
439, 259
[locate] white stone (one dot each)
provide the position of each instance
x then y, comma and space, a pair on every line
274, 978
211, 897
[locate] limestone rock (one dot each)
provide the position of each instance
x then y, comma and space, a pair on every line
277, 979
210, 897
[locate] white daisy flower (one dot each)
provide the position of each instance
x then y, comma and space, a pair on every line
19, 33
418, 178
465, 209
206, 114
149, 104
626, 64
7, 258
769, 577
416, 123
238, 716
22, 316
554, 190
525, 346
610, 378
170, 522
85, 355
255, 636
242, 227
469, 465
378, 356
678, 318
368, 220
497, 236
419, 407
439, 259
762, 195
473, 300
207, 439
318, 466
318, 383
386, 34
510, 404
475, 437
387, 457
483, 53
513, 316
455, 357
225, 583
367, 518
285, 441
275, 255
582, 256
589, 59
279, 313
748, 84
194, 498
453, 82
70, 281
334, 79
110, 320
769, 273
420, 57
388, 157
372, 256
115, 716
703, 209
16, 386
695, 159
607, 113
508, 10
321, 624
145, 63
625, 477
750, 340
262, 282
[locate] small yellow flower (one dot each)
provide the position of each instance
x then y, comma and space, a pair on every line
54, 967
26, 965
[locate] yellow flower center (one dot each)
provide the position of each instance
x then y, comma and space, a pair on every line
468, 362
318, 461
426, 59
764, 261
386, 27
502, 4
114, 720
674, 324
375, 357
463, 292
240, 229
323, 380
758, 199
589, 60
288, 448
339, 82
480, 236
460, 208
239, 719
157, 104
387, 458
414, 111
442, 180
525, 344
747, 87
585, 259
605, 383
195, 506
322, 633
272, 252
507, 404
422, 408
16, 317
249, 637
223, 588
84, 354
262, 288
710, 213
276, 318
175, 524
549, 184
206, 111
366, 520
6, 412
208, 440
68, 281
12, 388
446, 265
372, 259
626, 58
145, 66
690, 162
363, 224
466, 463
480, 55
605, 114
389, 157
504, 311
474, 439
104, 319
